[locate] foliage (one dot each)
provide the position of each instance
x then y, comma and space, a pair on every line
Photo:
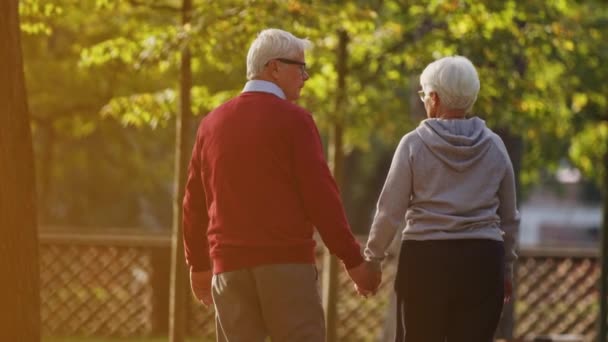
590, 149
89, 168
539, 64
34, 16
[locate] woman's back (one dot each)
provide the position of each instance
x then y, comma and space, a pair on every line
456, 171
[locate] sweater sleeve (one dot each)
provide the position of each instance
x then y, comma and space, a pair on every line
509, 215
195, 218
392, 204
319, 193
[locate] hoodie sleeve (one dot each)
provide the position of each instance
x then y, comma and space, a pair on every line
392, 204
507, 211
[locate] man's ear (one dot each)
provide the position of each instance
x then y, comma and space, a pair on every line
273, 68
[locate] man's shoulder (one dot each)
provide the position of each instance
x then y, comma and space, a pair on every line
220, 108
284, 105
268, 102
284, 108
297, 110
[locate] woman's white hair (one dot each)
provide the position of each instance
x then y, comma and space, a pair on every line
454, 79
271, 44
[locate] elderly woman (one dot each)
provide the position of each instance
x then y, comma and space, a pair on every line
451, 191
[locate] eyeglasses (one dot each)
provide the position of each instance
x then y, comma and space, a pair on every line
291, 61
422, 95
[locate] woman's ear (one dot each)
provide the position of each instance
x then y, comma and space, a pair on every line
435, 100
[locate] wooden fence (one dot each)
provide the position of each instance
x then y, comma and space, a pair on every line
117, 284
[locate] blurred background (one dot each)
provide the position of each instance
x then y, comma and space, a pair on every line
103, 83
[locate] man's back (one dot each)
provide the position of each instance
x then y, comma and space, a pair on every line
266, 183
252, 195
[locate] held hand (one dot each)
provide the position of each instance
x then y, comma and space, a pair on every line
367, 277
363, 292
201, 286
508, 290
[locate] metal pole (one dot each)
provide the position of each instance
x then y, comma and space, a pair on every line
178, 297
336, 158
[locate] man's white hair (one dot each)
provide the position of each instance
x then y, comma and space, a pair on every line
454, 79
271, 44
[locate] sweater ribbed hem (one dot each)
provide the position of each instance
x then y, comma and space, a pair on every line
236, 258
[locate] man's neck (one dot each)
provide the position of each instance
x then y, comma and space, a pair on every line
264, 86
263, 78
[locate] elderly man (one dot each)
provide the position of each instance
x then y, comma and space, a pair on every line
258, 185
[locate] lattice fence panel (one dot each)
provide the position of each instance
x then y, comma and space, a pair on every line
557, 296
103, 289
201, 321
95, 290
361, 319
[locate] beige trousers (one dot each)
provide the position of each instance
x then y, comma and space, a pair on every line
277, 301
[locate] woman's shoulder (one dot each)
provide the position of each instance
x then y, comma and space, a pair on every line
499, 146
410, 142
497, 140
412, 138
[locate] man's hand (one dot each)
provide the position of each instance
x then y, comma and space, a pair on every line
367, 277
508, 290
201, 286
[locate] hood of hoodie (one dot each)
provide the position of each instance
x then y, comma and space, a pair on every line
460, 144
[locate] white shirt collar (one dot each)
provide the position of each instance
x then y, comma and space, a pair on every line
265, 87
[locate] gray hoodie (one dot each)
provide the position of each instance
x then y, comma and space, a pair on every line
449, 179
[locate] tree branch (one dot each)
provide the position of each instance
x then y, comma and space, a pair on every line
408, 38
136, 3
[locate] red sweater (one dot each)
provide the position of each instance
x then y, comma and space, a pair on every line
257, 186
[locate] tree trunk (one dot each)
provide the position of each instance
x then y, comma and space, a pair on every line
336, 160
178, 295
602, 320
19, 289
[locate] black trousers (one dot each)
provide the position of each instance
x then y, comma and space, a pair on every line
449, 290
